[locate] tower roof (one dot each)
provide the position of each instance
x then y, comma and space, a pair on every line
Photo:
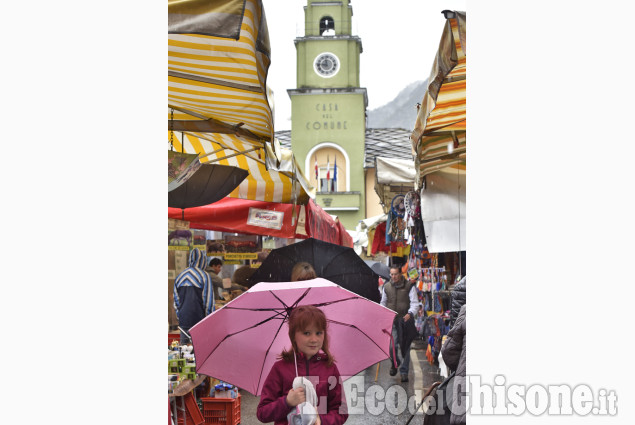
378, 142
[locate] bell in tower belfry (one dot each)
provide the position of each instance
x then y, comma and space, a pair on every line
327, 26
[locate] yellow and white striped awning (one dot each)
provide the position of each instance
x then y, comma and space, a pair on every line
262, 184
439, 134
218, 102
218, 59
435, 152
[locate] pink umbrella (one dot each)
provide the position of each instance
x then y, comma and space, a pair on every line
240, 342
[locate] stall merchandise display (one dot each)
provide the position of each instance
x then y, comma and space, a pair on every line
434, 279
198, 399
433, 329
224, 390
412, 202
404, 229
181, 367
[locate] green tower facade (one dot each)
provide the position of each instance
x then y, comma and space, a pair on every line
328, 110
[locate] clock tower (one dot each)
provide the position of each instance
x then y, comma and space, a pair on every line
328, 110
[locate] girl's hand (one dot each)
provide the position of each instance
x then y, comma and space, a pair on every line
296, 396
318, 421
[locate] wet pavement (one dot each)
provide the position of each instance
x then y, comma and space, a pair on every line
379, 401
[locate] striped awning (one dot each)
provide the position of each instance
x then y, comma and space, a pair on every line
435, 152
439, 134
218, 59
218, 102
285, 183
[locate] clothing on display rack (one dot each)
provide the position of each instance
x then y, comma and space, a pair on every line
438, 305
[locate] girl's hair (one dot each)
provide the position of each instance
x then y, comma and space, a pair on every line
300, 319
302, 271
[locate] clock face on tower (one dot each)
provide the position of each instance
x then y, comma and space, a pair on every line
326, 64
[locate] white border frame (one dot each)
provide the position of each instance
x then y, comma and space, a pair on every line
339, 65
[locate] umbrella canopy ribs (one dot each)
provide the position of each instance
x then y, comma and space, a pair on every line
240, 342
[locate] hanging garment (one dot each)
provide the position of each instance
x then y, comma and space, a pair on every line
428, 301
387, 234
429, 354
371, 238
437, 302
379, 239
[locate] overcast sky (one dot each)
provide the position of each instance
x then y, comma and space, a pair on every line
399, 41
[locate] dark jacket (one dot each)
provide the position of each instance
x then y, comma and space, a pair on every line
454, 353
273, 406
457, 297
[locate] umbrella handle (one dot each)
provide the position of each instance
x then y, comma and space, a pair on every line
186, 333
432, 387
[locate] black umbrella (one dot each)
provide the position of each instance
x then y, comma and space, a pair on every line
381, 269
339, 264
210, 183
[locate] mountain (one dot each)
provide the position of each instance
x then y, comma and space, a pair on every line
401, 112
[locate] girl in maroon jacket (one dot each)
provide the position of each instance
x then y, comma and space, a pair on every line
309, 356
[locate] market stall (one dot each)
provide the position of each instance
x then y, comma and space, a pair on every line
393, 176
219, 112
439, 142
423, 231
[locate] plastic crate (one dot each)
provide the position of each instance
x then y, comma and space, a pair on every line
224, 411
192, 414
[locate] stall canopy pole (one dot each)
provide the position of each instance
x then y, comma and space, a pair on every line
458, 198
172, 129
294, 213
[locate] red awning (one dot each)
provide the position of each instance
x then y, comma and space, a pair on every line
345, 238
320, 224
240, 216
264, 218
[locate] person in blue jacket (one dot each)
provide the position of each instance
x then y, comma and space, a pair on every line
193, 294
